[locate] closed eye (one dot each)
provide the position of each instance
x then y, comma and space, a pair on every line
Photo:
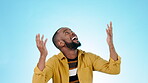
67, 33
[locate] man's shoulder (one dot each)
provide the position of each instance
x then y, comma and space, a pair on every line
53, 58
52, 61
88, 54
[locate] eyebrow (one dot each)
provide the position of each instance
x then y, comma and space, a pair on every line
66, 30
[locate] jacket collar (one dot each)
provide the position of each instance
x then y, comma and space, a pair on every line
61, 55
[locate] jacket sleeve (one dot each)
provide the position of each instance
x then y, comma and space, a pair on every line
110, 67
45, 75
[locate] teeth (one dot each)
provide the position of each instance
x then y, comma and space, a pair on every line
74, 38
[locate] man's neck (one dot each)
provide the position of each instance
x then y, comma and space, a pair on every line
70, 54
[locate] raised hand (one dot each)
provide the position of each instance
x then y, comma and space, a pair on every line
109, 35
113, 53
41, 45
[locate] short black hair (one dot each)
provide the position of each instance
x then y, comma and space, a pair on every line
54, 38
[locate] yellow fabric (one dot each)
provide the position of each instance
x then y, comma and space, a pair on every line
57, 68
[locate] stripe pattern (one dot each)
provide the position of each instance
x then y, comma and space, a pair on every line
73, 76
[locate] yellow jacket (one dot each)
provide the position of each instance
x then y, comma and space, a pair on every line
57, 68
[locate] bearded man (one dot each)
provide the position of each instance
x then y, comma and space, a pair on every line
73, 65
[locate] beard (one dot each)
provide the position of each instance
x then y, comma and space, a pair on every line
73, 45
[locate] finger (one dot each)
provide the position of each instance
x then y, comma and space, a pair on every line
107, 26
107, 32
40, 40
111, 27
37, 36
45, 42
110, 23
37, 39
42, 37
108, 29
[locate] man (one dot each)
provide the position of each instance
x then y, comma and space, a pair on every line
73, 65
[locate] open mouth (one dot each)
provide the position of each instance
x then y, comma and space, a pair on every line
75, 38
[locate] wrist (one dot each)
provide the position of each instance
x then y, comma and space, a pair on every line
111, 46
43, 56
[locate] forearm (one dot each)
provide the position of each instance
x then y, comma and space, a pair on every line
41, 63
113, 53
43, 71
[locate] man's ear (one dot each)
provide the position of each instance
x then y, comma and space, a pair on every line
61, 43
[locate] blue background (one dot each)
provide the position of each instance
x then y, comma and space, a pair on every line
21, 20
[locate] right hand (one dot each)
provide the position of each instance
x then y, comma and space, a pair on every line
41, 45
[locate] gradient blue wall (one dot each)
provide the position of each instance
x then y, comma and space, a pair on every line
21, 20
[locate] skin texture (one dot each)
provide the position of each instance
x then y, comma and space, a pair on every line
65, 35
41, 45
113, 53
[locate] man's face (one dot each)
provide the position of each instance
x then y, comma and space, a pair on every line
69, 37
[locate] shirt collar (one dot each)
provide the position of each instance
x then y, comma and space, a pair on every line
61, 55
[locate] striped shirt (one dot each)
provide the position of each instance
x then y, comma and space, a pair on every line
73, 76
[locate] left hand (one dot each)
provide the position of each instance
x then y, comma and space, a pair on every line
109, 35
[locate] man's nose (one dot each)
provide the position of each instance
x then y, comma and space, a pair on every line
73, 34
